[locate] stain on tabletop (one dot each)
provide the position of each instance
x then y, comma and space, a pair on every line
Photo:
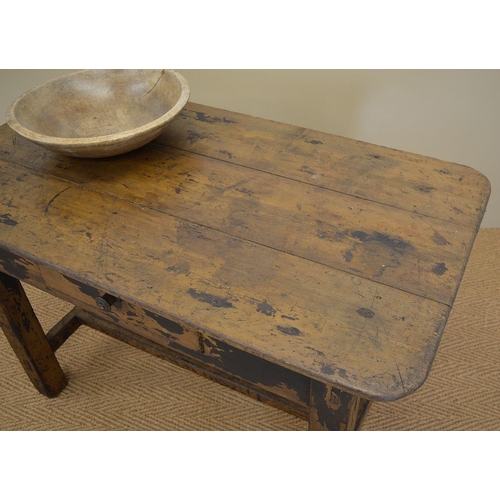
439, 269
439, 239
208, 298
7, 220
365, 312
289, 330
391, 242
203, 117
348, 256
266, 309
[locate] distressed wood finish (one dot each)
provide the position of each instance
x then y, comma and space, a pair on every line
211, 371
63, 329
385, 244
26, 337
330, 408
245, 246
319, 321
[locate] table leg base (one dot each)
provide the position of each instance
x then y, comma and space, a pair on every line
329, 408
334, 410
27, 339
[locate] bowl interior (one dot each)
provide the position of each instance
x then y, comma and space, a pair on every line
96, 103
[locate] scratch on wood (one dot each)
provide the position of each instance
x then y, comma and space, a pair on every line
439, 239
54, 198
401, 378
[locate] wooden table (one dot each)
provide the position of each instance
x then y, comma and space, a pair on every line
312, 272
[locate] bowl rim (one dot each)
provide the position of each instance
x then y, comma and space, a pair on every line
50, 140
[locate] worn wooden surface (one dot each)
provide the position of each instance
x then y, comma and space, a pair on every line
335, 259
259, 385
330, 408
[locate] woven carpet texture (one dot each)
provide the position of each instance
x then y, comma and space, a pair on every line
113, 386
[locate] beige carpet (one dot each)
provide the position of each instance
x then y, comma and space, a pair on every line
115, 387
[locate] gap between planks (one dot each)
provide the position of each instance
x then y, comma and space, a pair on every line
82, 187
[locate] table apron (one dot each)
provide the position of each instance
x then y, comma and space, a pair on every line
162, 332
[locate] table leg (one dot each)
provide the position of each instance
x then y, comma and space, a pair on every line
26, 337
331, 409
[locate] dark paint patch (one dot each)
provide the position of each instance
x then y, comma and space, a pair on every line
439, 269
289, 330
439, 239
314, 142
210, 299
335, 413
366, 313
131, 313
203, 117
85, 289
245, 191
255, 370
166, 324
194, 136
348, 256
266, 309
397, 244
319, 393
26, 319
226, 153
5, 219
113, 317
328, 369
425, 189
321, 353
284, 316
88, 234
182, 268
178, 190
307, 170
341, 234
13, 265
331, 369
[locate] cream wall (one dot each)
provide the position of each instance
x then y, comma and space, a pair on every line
448, 114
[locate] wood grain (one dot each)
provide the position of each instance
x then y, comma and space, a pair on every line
339, 328
412, 252
336, 260
415, 183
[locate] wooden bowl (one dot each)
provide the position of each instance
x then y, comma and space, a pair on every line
99, 113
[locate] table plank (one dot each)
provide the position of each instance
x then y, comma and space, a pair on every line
412, 252
368, 338
419, 184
